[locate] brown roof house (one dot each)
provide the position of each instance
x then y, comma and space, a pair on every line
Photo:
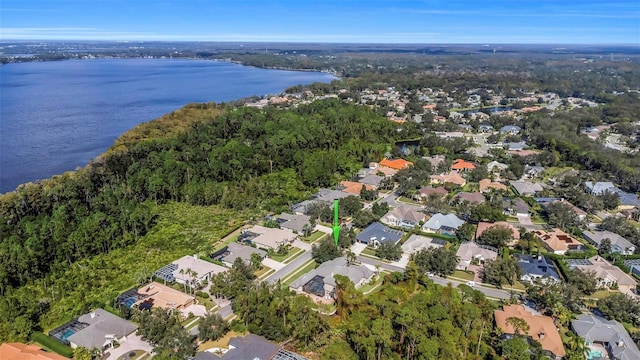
452, 178
558, 241
20, 351
403, 216
486, 185
541, 328
608, 275
471, 252
439, 191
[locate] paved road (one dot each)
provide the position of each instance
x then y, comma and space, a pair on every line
273, 278
489, 292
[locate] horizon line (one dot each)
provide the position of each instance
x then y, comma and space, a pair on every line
325, 42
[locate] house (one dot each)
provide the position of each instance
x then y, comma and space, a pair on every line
376, 233
608, 275
514, 146
250, 346
295, 223
302, 208
98, 329
541, 328
537, 268
416, 243
20, 351
451, 178
533, 171
403, 216
486, 185
599, 188
461, 165
371, 179
426, 192
470, 252
472, 198
517, 207
329, 195
510, 129
443, 224
484, 226
619, 245
496, 167
397, 164
607, 335
526, 188
485, 128
234, 250
321, 281
267, 238
189, 270
155, 295
435, 160
354, 188
557, 241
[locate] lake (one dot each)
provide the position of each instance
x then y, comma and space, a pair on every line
56, 116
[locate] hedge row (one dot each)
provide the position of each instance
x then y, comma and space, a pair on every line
52, 344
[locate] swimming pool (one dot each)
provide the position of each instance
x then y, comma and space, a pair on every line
594, 354
66, 334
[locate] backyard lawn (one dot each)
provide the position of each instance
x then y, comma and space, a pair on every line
223, 342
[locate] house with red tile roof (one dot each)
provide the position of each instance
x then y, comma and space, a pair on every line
353, 187
558, 241
397, 164
541, 328
462, 165
20, 351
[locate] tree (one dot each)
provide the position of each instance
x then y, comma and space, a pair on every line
379, 209
500, 271
585, 281
516, 348
368, 195
325, 250
496, 236
440, 261
610, 200
520, 327
364, 218
256, 261
271, 224
349, 206
605, 246
167, 336
212, 327
562, 216
621, 307
82, 353
388, 250
466, 232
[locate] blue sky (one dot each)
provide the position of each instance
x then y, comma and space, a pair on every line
351, 21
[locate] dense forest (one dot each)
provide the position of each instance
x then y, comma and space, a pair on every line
238, 159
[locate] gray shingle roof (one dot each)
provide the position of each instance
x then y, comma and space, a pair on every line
329, 269
379, 232
538, 267
594, 328
240, 251
101, 325
438, 221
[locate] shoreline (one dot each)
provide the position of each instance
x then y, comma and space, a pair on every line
240, 101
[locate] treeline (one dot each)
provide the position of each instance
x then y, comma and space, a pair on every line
244, 158
559, 133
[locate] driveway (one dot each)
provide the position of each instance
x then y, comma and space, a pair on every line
133, 342
302, 245
525, 220
197, 310
275, 265
358, 247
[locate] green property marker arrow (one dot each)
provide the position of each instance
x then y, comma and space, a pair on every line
336, 226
